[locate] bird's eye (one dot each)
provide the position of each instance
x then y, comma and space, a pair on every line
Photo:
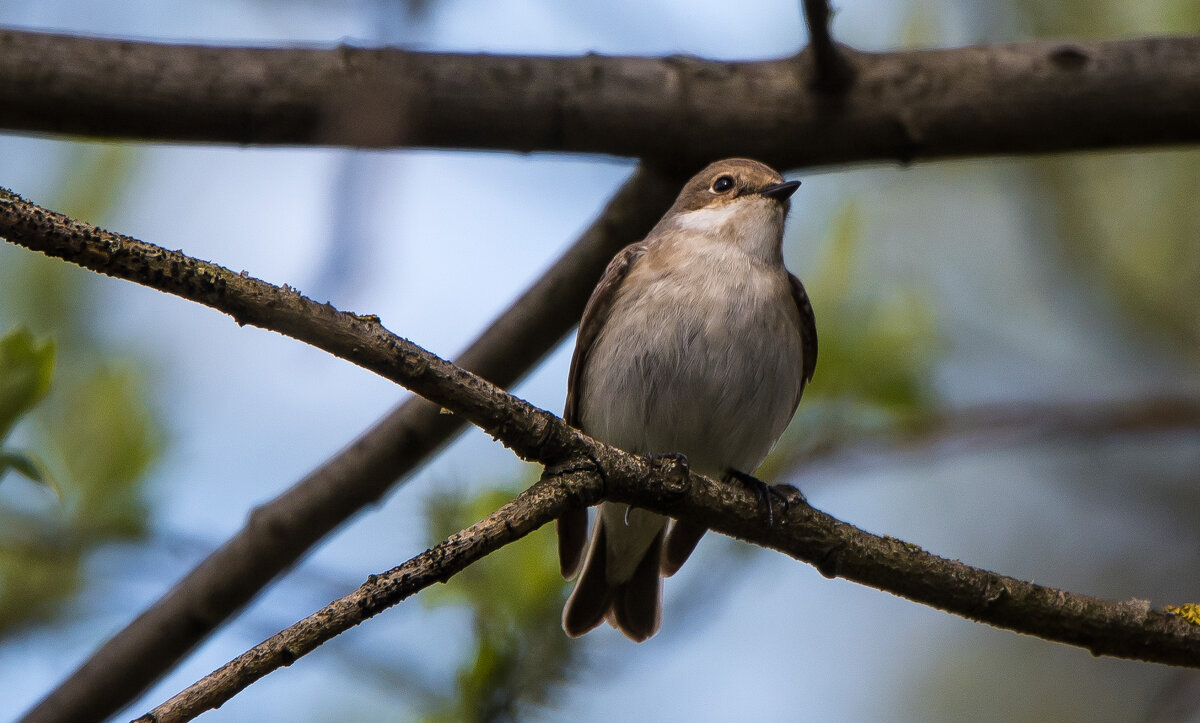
722, 184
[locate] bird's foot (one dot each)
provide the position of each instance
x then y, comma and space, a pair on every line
679, 459
787, 494
678, 471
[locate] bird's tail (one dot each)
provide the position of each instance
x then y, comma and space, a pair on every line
633, 605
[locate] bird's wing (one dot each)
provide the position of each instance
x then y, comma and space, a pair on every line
572, 526
594, 316
808, 334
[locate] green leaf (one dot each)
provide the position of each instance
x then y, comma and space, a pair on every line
521, 656
25, 371
107, 439
30, 467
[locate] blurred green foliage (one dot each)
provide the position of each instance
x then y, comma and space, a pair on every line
879, 339
877, 348
1128, 221
878, 343
515, 596
25, 371
91, 429
1130, 224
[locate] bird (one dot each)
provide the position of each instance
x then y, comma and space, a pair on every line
697, 342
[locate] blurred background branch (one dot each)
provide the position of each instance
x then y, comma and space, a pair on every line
1056, 282
279, 532
831, 72
1034, 97
837, 549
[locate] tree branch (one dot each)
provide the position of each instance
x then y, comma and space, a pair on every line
1036, 97
1129, 629
831, 72
528, 511
279, 532
997, 424
581, 470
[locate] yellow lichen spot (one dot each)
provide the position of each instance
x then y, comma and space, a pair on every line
1188, 611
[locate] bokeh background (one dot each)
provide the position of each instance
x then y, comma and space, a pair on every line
960, 305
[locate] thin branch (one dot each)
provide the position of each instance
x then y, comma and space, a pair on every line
1044, 96
527, 512
580, 470
831, 72
279, 532
993, 424
1129, 629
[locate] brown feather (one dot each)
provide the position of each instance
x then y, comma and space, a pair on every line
592, 597
684, 534
681, 540
614, 584
808, 334
572, 526
637, 604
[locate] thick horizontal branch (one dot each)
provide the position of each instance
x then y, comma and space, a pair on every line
1024, 98
279, 532
586, 469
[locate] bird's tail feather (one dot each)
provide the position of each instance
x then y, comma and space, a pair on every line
681, 540
634, 607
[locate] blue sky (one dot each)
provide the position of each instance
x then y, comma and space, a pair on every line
438, 266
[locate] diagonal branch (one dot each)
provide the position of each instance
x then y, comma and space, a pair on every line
832, 74
1129, 629
528, 511
581, 470
280, 532
1044, 96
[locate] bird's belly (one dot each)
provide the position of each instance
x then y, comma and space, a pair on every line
719, 387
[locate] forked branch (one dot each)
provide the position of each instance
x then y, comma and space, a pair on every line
582, 470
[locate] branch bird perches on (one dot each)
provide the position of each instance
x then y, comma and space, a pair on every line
581, 471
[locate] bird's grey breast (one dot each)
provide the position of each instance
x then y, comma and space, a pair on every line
698, 356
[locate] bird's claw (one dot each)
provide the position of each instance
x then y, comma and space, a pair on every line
761, 489
678, 458
785, 493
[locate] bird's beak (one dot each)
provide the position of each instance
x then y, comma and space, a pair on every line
780, 191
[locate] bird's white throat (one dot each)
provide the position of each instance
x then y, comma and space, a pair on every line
752, 224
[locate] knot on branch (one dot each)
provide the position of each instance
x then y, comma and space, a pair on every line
830, 564
673, 474
573, 475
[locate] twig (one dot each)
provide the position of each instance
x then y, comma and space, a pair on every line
508, 524
992, 424
1043, 96
580, 469
1129, 629
279, 532
831, 72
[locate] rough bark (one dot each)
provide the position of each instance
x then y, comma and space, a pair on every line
581, 470
279, 532
1033, 97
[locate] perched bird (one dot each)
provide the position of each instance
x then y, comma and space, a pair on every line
697, 341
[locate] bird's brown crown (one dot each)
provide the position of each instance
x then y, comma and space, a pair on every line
723, 182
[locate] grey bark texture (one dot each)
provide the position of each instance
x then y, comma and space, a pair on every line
1005, 99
